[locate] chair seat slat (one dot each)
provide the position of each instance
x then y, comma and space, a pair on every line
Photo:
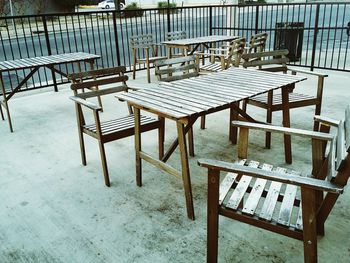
256, 193
240, 190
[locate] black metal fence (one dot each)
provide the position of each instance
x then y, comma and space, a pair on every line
317, 34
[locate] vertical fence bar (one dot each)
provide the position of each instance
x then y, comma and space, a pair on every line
116, 37
256, 19
49, 51
315, 37
210, 20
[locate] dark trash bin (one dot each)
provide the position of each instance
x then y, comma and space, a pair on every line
290, 36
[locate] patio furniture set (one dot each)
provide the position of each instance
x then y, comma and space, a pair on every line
252, 192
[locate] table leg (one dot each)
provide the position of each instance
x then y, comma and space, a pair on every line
138, 146
185, 170
286, 123
5, 104
233, 130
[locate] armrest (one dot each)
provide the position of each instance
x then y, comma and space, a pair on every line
86, 103
307, 72
327, 121
284, 130
307, 182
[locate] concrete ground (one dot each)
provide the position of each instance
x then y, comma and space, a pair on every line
53, 209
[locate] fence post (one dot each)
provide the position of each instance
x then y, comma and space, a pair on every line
210, 20
315, 37
168, 17
116, 35
256, 19
49, 51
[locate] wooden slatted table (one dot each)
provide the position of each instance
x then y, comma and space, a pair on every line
185, 100
34, 64
186, 43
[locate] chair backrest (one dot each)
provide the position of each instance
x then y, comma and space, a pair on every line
257, 42
174, 35
265, 58
235, 51
141, 41
104, 82
176, 68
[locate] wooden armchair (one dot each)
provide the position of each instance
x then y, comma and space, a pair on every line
111, 130
226, 57
141, 46
276, 61
172, 69
276, 199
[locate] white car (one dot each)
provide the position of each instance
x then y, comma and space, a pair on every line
106, 4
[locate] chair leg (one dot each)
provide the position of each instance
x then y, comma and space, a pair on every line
2, 114
233, 130
213, 216
317, 112
148, 73
203, 122
82, 148
104, 163
309, 225
268, 134
190, 142
269, 118
161, 132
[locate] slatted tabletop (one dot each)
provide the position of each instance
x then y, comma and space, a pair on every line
199, 40
206, 93
45, 61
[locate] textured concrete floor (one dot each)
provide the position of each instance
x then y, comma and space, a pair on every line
53, 209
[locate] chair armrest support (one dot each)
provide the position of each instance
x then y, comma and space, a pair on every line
307, 182
327, 121
86, 103
284, 130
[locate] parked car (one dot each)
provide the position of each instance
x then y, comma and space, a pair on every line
107, 4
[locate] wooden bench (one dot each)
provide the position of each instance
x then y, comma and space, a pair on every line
276, 61
277, 199
110, 130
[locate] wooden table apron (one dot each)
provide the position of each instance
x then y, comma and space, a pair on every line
185, 100
34, 64
188, 42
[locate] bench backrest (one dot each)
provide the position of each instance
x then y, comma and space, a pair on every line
267, 58
104, 82
176, 68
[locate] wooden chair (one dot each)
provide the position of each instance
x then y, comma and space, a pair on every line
276, 61
257, 43
172, 69
111, 130
175, 35
225, 56
168, 70
277, 199
141, 46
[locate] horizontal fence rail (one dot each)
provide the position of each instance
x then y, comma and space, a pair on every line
317, 35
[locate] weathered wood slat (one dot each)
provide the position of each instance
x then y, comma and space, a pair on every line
95, 83
241, 188
287, 205
227, 183
299, 222
255, 195
271, 198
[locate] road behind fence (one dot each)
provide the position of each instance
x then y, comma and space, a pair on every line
317, 35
